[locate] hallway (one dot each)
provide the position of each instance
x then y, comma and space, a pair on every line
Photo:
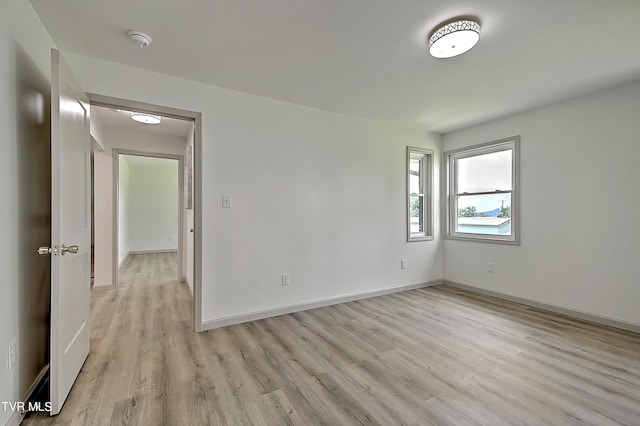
137, 331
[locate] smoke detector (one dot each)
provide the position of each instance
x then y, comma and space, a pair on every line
140, 38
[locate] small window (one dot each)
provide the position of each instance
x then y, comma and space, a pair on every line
482, 192
419, 198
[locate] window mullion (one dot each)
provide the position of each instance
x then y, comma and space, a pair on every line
496, 192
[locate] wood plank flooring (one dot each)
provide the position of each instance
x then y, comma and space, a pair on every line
434, 356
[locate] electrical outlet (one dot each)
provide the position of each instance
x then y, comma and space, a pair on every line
285, 279
492, 267
13, 356
403, 264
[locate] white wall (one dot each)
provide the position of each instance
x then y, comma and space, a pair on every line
97, 129
318, 195
124, 205
153, 206
103, 186
21, 36
579, 177
103, 213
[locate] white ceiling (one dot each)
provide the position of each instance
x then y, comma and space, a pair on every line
120, 119
367, 58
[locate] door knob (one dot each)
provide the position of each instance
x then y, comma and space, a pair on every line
70, 249
45, 251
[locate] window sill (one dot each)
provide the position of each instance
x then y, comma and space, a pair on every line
420, 238
483, 239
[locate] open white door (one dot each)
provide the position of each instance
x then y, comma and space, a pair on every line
70, 230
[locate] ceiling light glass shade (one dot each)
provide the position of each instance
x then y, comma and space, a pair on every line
141, 39
453, 38
141, 117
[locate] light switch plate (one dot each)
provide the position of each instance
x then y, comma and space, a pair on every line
226, 201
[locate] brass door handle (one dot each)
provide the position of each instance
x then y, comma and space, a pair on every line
70, 249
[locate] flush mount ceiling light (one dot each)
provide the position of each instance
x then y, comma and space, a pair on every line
454, 37
141, 117
139, 38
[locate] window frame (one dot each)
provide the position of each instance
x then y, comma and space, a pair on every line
426, 180
450, 204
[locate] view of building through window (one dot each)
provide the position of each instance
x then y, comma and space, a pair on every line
485, 214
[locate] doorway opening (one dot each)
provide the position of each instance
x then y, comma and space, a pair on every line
148, 211
139, 171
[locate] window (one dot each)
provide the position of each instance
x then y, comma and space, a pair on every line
419, 198
482, 192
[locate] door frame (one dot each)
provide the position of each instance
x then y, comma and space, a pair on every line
116, 207
196, 117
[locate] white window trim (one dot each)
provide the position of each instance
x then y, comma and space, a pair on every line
426, 158
449, 206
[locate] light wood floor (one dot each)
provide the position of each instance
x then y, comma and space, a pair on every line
428, 356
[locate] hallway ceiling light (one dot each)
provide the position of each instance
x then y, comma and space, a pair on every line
139, 38
141, 117
454, 37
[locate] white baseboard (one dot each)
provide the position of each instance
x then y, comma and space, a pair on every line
153, 251
598, 319
124, 260
103, 287
43, 373
189, 286
15, 419
282, 310
17, 416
